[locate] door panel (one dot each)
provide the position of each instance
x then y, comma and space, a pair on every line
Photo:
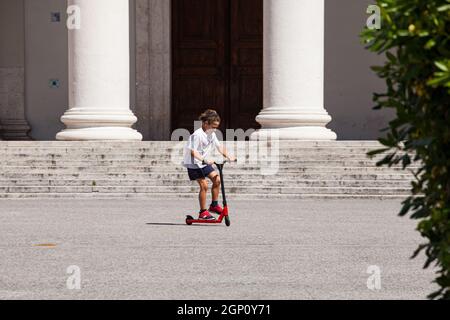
198, 44
246, 47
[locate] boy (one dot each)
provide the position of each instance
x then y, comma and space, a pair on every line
199, 166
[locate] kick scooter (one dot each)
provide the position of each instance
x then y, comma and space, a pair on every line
224, 216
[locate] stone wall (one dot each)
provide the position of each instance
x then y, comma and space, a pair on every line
13, 125
153, 74
349, 82
12, 118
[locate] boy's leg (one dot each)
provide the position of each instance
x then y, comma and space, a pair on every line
203, 183
215, 190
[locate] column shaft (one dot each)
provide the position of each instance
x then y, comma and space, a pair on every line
294, 71
99, 73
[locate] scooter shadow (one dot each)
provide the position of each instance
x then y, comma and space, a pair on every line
178, 225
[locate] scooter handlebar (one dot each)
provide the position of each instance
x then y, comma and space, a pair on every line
225, 161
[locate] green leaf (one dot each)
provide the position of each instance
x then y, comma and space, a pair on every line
443, 80
421, 142
378, 151
419, 250
406, 207
406, 161
430, 44
445, 7
421, 213
391, 57
441, 65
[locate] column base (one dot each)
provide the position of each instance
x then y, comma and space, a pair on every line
84, 124
292, 124
100, 133
15, 130
295, 133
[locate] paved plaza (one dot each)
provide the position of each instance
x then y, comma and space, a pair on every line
141, 249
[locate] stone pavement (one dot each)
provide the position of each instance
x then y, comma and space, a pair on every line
141, 249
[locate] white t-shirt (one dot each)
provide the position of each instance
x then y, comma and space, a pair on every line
203, 144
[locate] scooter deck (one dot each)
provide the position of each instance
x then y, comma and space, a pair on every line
190, 220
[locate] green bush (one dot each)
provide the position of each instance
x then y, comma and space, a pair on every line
415, 39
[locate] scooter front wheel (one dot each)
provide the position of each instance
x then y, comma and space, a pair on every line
227, 221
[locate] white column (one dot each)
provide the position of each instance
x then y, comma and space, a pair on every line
294, 71
99, 73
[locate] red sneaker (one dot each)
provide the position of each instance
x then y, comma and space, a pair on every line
217, 209
206, 216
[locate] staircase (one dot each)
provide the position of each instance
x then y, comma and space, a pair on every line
152, 170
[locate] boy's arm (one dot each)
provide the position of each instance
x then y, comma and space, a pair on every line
223, 151
198, 156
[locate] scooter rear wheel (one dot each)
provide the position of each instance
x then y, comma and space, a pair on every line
227, 221
189, 220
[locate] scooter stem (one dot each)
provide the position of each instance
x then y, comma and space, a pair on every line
220, 167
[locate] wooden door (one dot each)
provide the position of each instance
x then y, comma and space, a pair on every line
217, 61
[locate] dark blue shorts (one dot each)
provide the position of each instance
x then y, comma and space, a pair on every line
195, 174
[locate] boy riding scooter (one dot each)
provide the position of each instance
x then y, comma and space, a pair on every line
199, 167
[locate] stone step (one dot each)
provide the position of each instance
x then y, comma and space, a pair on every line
194, 189
149, 147
138, 156
292, 160
174, 196
183, 176
177, 145
167, 163
184, 182
169, 169
168, 156
178, 149
159, 144
282, 160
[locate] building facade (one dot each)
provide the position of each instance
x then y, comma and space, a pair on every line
139, 69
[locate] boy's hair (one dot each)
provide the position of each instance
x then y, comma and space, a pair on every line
209, 116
